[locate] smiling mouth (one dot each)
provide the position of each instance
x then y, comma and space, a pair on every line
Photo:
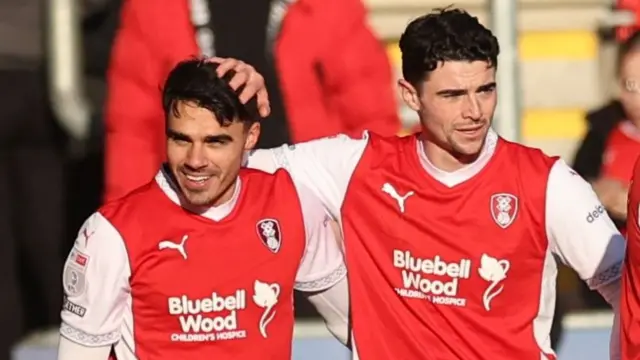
196, 179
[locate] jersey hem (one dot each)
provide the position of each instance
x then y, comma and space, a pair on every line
607, 276
85, 339
323, 283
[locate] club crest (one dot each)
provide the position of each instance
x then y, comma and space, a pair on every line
504, 209
269, 232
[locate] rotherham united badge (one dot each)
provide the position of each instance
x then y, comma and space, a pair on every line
504, 209
269, 232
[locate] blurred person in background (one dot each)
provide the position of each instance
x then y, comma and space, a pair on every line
608, 151
326, 71
31, 179
85, 173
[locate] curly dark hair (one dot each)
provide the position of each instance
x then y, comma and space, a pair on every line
448, 34
196, 80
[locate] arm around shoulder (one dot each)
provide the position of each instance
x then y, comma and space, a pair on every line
324, 166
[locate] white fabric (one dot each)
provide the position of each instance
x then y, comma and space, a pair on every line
590, 245
105, 285
98, 312
69, 350
333, 309
325, 165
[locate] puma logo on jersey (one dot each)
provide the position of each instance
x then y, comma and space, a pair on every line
166, 244
391, 191
87, 235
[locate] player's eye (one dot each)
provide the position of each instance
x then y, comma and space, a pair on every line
180, 141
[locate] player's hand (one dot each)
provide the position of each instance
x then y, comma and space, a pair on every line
248, 76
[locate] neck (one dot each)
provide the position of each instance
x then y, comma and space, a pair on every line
226, 195
445, 159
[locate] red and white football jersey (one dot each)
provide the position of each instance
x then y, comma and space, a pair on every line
160, 282
454, 265
630, 293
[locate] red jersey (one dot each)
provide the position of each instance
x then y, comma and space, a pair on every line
160, 282
630, 294
621, 151
454, 265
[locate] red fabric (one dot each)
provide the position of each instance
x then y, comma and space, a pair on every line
447, 274
199, 307
621, 151
630, 293
334, 74
624, 32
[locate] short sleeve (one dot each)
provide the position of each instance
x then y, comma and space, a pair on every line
581, 233
96, 285
322, 264
324, 166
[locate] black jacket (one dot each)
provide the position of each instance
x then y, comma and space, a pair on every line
601, 121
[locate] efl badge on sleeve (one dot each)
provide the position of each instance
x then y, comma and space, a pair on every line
269, 232
504, 209
74, 273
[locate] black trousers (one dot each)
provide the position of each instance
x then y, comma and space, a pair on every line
31, 209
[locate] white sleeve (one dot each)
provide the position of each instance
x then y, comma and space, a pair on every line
325, 165
69, 350
96, 286
333, 305
581, 233
583, 236
322, 264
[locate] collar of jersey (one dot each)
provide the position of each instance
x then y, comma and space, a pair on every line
451, 179
167, 184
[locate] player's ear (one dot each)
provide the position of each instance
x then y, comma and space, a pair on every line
253, 133
409, 94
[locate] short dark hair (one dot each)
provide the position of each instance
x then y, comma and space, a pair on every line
631, 44
196, 80
447, 34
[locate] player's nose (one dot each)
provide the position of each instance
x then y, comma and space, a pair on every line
472, 109
196, 158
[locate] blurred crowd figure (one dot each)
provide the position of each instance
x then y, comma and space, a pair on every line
607, 153
323, 66
31, 179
